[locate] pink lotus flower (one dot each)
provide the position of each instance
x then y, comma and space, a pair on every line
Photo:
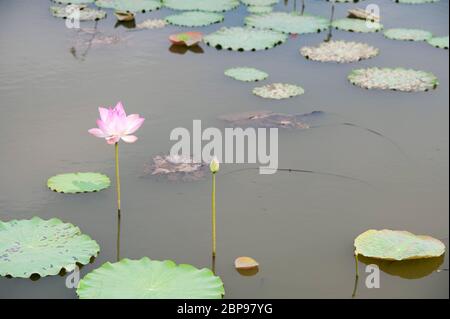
114, 124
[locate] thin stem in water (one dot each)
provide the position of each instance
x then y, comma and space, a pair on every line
213, 208
117, 178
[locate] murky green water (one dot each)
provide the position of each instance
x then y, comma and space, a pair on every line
300, 227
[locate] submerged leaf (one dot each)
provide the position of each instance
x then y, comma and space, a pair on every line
202, 5
399, 79
150, 279
245, 263
339, 51
278, 91
269, 119
194, 18
72, 183
397, 245
357, 25
244, 39
407, 34
288, 22
176, 168
151, 24
246, 74
439, 42
43, 247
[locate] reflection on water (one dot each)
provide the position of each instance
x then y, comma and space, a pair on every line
248, 272
182, 49
126, 24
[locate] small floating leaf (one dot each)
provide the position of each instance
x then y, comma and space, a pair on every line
151, 24
245, 263
73, 1
397, 245
416, 1
259, 9
72, 183
202, 5
439, 42
357, 25
86, 14
246, 74
244, 39
186, 38
194, 19
259, 2
339, 51
407, 34
278, 91
398, 79
288, 22
43, 247
150, 279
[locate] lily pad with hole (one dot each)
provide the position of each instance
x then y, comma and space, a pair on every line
176, 168
72, 183
42, 247
397, 245
86, 14
194, 18
278, 91
244, 39
398, 79
339, 51
416, 1
201, 5
259, 9
150, 279
288, 22
357, 25
407, 34
246, 74
260, 2
439, 42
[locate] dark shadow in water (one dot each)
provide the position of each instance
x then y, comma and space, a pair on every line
248, 272
126, 24
119, 221
182, 49
330, 28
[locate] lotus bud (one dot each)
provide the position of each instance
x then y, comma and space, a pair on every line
214, 165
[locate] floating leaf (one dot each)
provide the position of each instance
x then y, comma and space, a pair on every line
259, 9
345, 1
186, 38
269, 119
278, 91
194, 18
246, 74
108, 4
150, 279
339, 51
259, 2
72, 183
357, 25
73, 1
202, 5
398, 79
288, 22
43, 247
416, 1
244, 39
86, 14
358, 13
407, 34
397, 245
245, 263
439, 42
130, 5
176, 168
151, 24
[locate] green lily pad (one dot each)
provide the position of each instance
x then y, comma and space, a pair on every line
259, 2
345, 1
397, 79
439, 42
407, 34
288, 22
397, 245
416, 1
259, 9
130, 5
43, 247
73, 1
357, 25
150, 279
246, 74
86, 14
72, 183
278, 91
244, 39
194, 18
201, 5
339, 51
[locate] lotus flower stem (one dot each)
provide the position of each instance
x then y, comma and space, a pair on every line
117, 178
213, 208
356, 265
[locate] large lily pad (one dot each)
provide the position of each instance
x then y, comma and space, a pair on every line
398, 79
288, 22
416, 1
278, 91
42, 247
73, 1
72, 183
407, 34
86, 14
397, 245
246, 74
194, 18
269, 119
339, 51
108, 4
439, 42
150, 279
201, 5
244, 39
357, 25
345, 1
259, 2
259, 9
176, 168
130, 5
